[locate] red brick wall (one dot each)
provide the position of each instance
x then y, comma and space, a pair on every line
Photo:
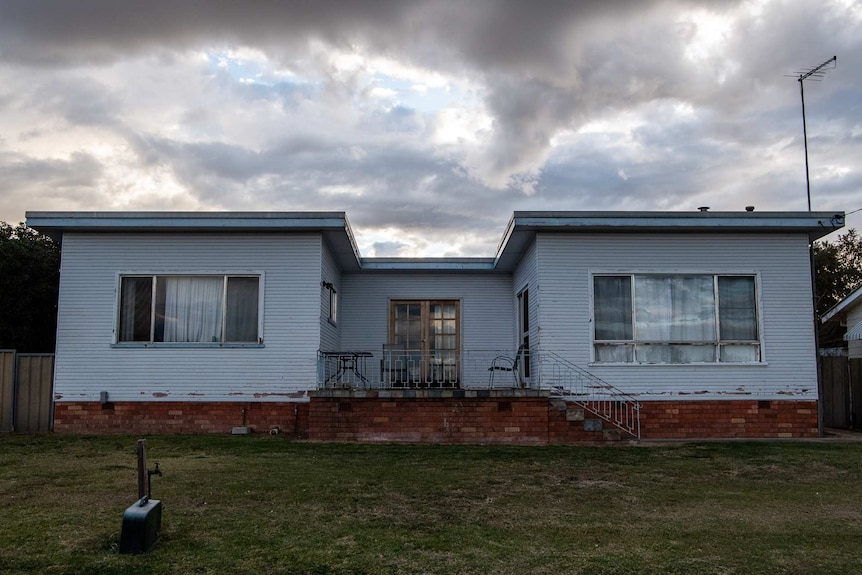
429, 420
727, 419
532, 420
179, 417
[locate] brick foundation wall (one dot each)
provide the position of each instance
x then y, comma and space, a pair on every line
464, 420
728, 419
523, 417
91, 417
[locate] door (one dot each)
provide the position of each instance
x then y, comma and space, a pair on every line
524, 334
428, 332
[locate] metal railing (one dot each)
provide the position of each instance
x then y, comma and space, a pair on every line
565, 379
423, 369
417, 369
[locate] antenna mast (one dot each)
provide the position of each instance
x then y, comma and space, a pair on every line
815, 74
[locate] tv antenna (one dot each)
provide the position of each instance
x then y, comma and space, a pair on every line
815, 74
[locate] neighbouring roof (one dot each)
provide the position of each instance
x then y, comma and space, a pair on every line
520, 231
843, 305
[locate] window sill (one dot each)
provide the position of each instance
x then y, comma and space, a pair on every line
704, 364
184, 345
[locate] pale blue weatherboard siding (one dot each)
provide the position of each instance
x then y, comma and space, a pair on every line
487, 320
87, 363
527, 277
565, 265
330, 335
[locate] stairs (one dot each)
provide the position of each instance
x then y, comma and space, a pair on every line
588, 398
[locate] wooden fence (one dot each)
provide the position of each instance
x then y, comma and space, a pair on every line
26, 388
842, 392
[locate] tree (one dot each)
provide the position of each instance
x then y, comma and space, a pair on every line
29, 284
838, 271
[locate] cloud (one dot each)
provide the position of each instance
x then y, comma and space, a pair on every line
48, 184
430, 121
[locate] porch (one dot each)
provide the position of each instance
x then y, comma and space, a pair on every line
454, 416
503, 377
422, 369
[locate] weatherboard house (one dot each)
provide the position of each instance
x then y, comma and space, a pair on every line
583, 327
849, 312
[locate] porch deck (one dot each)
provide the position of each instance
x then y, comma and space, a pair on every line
479, 374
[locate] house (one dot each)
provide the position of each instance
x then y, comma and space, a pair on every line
849, 312
841, 373
583, 326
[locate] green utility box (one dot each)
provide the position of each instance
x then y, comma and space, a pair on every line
142, 522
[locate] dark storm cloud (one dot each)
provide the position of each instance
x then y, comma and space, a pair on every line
541, 69
406, 188
545, 65
57, 33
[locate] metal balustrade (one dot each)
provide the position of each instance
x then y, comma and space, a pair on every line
412, 369
572, 383
422, 369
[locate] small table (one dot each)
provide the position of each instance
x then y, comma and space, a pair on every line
351, 366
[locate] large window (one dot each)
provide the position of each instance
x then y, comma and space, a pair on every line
675, 319
189, 308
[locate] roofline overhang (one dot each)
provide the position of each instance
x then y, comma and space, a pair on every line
428, 264
520, 230
524, 225
334, 226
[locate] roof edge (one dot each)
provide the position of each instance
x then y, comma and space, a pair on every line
848, 300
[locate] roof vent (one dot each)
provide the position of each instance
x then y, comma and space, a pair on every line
749, 208
703, 208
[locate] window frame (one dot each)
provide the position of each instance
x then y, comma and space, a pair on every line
153, 276
717, 343
424, 351
523, 305
332, 311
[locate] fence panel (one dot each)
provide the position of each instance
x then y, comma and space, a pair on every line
7, 388
855, 373
34, 393
836, 392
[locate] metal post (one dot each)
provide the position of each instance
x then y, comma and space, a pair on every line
141, 449
816, 74
805, 142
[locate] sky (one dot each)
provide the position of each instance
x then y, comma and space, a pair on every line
428, 122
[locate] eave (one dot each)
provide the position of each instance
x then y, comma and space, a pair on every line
333, 226
523, 226
520, 231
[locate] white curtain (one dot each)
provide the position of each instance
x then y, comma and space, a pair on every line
193, 308
679, 309
675, 310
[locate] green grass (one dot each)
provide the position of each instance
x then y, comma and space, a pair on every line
265, 505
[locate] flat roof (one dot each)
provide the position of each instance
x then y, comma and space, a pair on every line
334, 226
521, 229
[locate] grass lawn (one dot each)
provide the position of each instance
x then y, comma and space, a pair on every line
265, 505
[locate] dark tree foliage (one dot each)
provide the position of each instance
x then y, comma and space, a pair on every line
838, 267
29, 282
